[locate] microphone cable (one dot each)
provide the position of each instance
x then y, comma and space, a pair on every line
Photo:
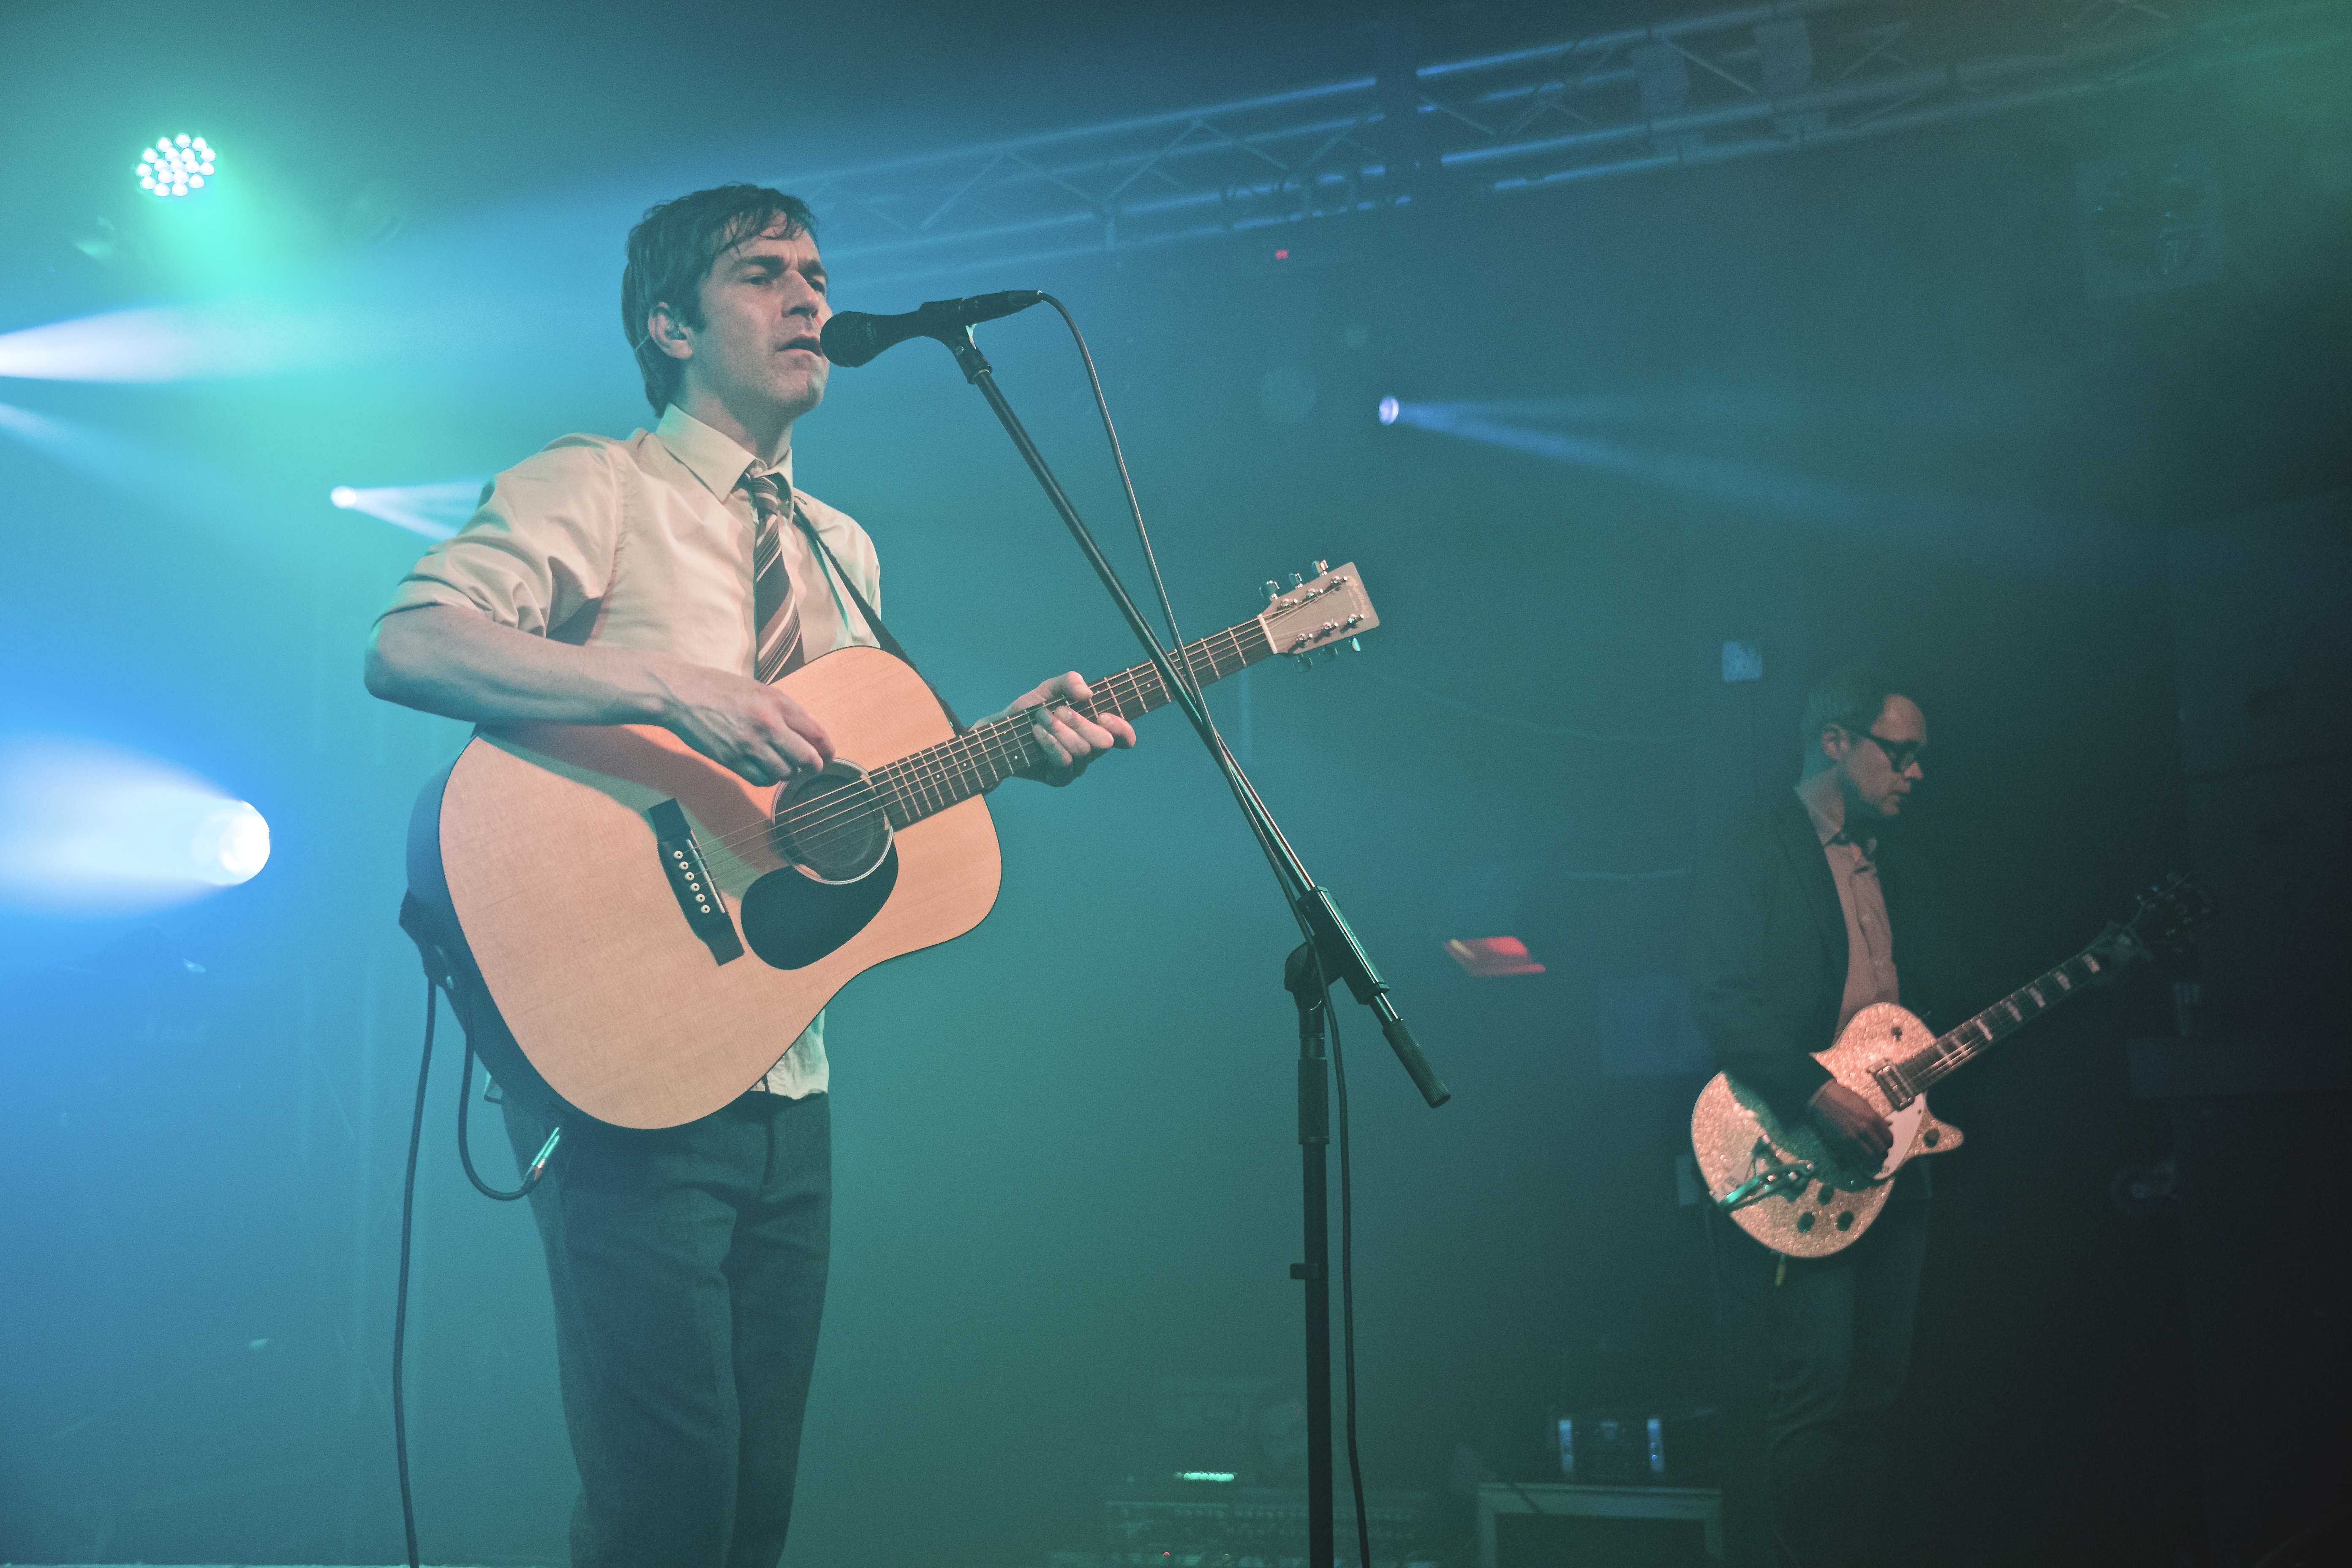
1339, 1071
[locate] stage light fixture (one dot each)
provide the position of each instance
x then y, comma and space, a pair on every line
176, 166
86, 828
1388, 410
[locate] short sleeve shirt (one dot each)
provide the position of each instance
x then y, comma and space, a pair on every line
646, 543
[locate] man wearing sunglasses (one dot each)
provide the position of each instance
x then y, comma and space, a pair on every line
1806, 911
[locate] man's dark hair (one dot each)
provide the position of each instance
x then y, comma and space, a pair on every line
1851, 697
672, 250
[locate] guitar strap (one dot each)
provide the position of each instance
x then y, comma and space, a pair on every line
882, 633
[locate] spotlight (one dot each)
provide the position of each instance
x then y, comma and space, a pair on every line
230, 846
1388, 410
86, 828
436, 510
176, 166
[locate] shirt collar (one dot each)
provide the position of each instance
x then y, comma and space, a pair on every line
1816, 792
713, 459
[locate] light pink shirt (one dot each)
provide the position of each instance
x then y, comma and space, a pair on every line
1869, 939
646, 543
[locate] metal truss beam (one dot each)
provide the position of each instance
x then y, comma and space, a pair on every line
1733, 84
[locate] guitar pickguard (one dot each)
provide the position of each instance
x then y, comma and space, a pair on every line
790, 920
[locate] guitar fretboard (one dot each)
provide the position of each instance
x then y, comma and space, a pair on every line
1955, 1049
984, 756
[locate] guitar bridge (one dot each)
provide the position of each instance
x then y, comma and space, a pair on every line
689, 879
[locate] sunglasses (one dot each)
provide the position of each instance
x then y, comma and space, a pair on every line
1900, 755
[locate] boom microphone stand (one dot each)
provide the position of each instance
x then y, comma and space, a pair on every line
1331, 953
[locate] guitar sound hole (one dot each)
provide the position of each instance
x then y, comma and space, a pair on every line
831, 826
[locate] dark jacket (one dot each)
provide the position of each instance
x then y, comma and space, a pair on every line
1768, 950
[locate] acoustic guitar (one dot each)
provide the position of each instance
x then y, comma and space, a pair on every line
655, 931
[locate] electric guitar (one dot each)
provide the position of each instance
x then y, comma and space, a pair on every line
1783, 1185
655, 931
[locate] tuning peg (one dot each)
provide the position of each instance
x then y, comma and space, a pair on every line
1297, 581
1321, 567
1355, 643
1273, 590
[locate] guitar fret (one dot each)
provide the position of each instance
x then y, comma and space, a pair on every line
932, 780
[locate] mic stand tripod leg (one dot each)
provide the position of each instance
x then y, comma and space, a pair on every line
1302, 977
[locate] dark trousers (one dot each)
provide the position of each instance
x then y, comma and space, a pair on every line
1839, 1331
1813, 1356
687, 1265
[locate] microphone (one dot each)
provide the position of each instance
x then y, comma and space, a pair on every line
853, 337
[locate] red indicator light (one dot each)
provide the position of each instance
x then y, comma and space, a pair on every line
1282, 255
1486, 957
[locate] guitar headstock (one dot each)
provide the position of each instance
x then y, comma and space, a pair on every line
2171, 914
1310, 616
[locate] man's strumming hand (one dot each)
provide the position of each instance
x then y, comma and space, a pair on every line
1855, 1130
749, 728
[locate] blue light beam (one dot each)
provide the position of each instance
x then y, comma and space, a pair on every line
436, 510
88, 829
1749, 486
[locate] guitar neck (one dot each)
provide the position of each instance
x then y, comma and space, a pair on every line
984, 756
1955, 1049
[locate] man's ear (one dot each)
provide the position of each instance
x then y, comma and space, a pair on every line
668, 333
1835, 742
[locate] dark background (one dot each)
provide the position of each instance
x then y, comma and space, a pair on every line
1859, 401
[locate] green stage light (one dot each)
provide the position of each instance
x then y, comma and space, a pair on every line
176, 166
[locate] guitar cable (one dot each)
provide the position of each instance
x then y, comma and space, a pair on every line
433, 986
1228, 769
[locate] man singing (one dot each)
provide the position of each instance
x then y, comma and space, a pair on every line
668, 579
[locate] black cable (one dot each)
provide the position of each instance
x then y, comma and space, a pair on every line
1347, 1281
407, 1231
1134, 507
399, 1309
465, 1149
1184, 673
1244, 794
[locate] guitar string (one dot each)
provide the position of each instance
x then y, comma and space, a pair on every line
940, 776
930, 780
947, 774
1950, 1052
1953, 1050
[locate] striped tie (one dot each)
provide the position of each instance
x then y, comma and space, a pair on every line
773, 610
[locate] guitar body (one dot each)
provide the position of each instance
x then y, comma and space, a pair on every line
557, 876
1737, 1139
654, 932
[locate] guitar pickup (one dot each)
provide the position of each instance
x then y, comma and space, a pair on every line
689, 879
1890, 1083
